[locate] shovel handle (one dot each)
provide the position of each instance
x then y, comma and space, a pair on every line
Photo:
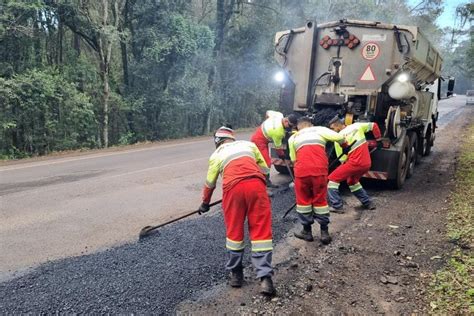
340, 156
289, 171
147, 229
289, 210
185, 215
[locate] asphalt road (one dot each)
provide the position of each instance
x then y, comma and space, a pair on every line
62, 207
68, 206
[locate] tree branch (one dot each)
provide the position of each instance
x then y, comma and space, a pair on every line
262, 6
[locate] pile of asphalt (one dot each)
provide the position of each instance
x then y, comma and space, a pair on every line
151, 276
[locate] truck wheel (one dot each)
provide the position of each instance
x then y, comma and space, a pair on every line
403, 165
413, 155
281, 169
427, 143
419, 149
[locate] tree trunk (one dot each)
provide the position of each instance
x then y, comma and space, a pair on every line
77, 44
123, 44
59, 55
219, 38
37, 43
105, 105
105, 47
123, 48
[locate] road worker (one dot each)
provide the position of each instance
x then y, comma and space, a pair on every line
243, 170
308, 154
355, 163
272, 130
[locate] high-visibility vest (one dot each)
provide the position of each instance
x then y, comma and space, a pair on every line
273, 128
228, 152
316, 135
308, 152
355, 136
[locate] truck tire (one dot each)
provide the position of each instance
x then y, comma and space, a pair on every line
281, 169
419, 150
403, 165
427, 143
413, 155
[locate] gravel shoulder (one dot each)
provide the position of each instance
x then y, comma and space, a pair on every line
380, 263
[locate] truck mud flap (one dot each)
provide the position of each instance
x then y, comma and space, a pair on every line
384, 165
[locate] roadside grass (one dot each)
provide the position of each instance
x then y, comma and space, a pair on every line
452, 288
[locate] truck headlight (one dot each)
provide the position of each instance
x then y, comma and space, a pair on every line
279, 76
403, 77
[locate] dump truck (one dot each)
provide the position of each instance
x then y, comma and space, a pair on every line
365, 72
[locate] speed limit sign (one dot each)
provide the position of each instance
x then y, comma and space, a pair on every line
370, 51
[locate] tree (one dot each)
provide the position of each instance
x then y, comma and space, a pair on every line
96, 22
162, 69
41, 112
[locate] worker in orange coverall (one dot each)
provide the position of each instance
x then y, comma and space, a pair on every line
272, 130
308, 153
355, 162
243, 172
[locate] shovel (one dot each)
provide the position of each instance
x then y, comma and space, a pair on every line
146, 231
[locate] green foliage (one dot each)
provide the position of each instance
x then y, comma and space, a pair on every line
176, 53
176, 67
41, 112
452, 288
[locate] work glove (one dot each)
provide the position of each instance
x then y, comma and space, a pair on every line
372, 143
346, 150
379, 144
204, 208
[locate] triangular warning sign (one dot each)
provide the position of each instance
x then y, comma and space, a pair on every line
368, 75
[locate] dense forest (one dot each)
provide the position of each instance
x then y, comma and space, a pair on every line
96, 73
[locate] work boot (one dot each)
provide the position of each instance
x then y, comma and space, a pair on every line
266, 286
325, 238
336, 210
305, 234
236, 277
370, 206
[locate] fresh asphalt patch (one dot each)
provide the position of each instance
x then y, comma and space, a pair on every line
151, 276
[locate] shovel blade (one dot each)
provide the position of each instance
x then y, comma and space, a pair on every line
146, 231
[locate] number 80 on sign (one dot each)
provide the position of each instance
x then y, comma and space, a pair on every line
370, 51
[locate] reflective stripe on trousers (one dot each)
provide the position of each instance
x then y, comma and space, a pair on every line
262, 245
333, 185
304, 209
355, 187
234, 245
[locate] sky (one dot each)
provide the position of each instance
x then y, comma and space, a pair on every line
448, 16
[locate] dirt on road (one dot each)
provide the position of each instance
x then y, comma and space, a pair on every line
380, 261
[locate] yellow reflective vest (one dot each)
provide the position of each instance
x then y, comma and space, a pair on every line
355, 136
229, 152
316, 135
273, 128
